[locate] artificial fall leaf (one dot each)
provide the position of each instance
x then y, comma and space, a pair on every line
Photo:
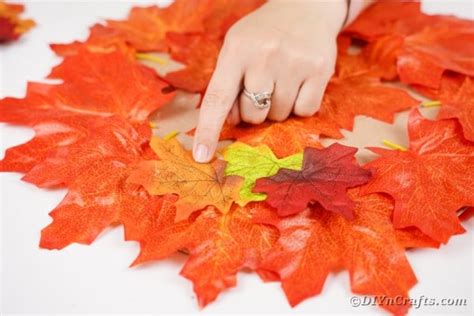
197, 185
199, 54
446, 45
155, 229
102, 39
378, 59
412, 237
252, 163
314, 243
11, 25
146, 28
219, 244
94, 202
136, 90
348, 97
448, 88
284, 138
62, 114
92, 158
467, 214
430, 181
94, 84
89, 133
325, 176
389, 18
222, 244
461, 106
107, 138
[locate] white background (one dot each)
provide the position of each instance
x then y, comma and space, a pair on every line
96, 279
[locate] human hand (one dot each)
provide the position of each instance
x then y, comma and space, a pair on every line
287, 48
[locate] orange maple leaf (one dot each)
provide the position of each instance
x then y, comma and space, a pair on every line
154, 227
89, 131
315, 243
389, 18
431, 181
219, 244
222, 244
198, 185
199, 54
146, 28
348, 97
461, 106
102, 39
446, 45
284, 138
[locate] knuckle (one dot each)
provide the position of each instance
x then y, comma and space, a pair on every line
317, 65
231, 37
214, 99
270, 48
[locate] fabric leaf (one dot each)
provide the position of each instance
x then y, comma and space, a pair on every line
325, 176
198, 185
252, 163
431, 181
314, 243
284, 138
223, 244
461, 106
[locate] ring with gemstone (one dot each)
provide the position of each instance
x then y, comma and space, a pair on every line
261, 100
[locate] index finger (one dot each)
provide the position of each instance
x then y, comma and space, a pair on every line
221, 93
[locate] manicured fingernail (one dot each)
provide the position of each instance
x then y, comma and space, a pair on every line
201, 152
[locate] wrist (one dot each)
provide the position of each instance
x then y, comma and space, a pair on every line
332, 13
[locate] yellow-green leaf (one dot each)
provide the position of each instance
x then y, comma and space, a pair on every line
253, 163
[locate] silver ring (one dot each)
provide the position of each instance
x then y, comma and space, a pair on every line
261, 100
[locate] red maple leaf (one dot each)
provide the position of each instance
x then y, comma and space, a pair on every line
314, 243
429, 182
461, 106
325, 176
11, 25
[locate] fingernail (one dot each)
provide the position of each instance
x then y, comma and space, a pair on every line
201, 152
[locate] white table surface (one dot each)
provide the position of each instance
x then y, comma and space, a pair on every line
96, 278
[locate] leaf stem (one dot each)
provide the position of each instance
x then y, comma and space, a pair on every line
171, 135
394, 146
152, 58
429, 104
